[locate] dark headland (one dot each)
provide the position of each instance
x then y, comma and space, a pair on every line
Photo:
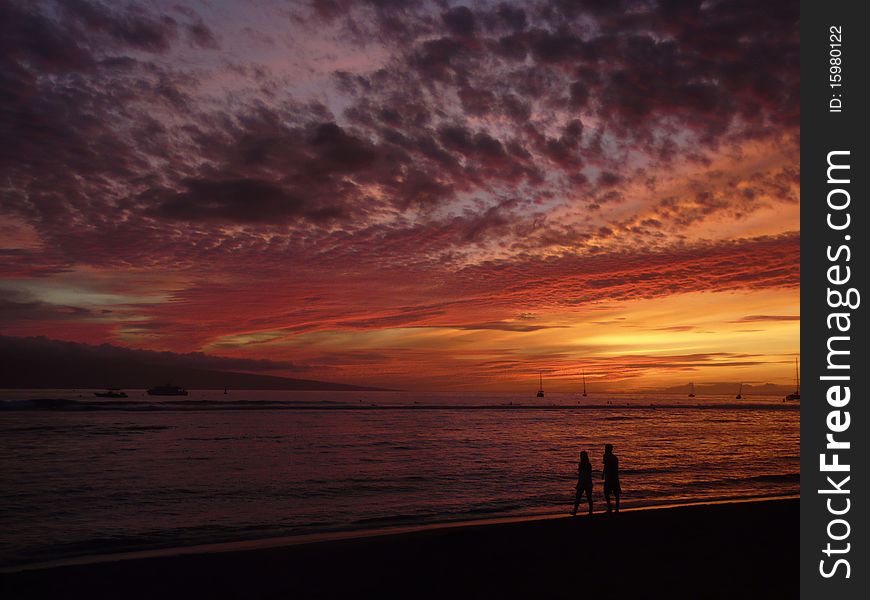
41, 363
740, 550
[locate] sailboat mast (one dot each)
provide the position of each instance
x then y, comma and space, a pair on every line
584, 383
797, 376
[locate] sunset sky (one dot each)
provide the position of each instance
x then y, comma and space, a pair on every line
417, 195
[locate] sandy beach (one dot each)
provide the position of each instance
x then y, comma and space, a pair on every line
739, 550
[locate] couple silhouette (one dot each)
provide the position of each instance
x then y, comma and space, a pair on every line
610, 474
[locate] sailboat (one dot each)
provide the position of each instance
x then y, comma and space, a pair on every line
739, 395
541, 385
796, 395
692, 390
584, 384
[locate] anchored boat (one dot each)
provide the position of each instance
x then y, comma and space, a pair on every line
167, 390
796, 395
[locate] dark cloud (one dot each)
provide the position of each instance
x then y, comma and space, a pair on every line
762, 318
676, 328
459, 20
557, 46
271, 172
512, 16
238, 201
503, 326
440, 59
28, 36
339, 152
130, 27
201, 35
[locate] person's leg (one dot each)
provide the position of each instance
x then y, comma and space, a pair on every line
616, 495
607, 497
589, 499
576, 502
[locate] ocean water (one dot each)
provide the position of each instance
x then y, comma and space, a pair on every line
84, 476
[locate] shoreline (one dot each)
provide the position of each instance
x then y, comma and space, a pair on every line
727, 550
278, 542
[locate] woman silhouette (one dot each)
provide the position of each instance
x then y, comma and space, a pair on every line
584, 482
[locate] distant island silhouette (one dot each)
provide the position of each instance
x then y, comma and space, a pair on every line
41, 363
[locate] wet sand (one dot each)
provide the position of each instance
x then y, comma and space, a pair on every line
741, 550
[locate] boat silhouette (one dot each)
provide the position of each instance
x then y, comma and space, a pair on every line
796, 395
541, 385
584, 384
692, 390
739, 395
167, 390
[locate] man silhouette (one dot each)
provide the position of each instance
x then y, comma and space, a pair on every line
610, 474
